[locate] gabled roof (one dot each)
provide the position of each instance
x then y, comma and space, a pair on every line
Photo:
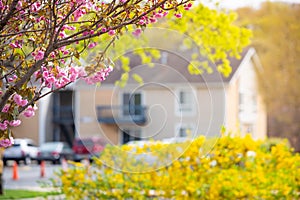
173, 70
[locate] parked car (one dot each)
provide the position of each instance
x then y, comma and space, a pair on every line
54, 152
86, 148
22, 150
146, 157
176, 140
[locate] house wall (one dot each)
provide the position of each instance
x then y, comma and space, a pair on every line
232, 123
164, 120
261, 120
245, 110
87, 124
29, 128
211, 102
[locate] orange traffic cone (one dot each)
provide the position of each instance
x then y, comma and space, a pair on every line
42, 169
15, 171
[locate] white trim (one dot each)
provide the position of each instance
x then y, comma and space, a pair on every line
43, 105
76, 107
251, 52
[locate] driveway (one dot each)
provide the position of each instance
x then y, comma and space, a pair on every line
29, 177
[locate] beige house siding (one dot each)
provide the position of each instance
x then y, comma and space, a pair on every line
261, 120
162, 118
211, 103
88, 125
232, 107
28, 129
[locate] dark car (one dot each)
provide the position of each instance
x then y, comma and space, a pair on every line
22, 150
55, 152
86, 148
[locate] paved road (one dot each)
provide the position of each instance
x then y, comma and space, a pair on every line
29, 177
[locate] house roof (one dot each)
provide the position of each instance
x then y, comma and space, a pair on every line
173, 70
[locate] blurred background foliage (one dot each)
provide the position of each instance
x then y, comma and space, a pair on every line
233, 168
276, 37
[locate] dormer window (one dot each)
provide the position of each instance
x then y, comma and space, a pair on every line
164, 58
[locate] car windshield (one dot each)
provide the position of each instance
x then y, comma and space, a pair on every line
49, 146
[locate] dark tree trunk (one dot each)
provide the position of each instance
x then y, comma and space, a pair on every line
1, 171
1, 185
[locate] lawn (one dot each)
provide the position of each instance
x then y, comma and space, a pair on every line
22, 194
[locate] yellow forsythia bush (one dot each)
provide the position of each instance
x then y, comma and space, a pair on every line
230, 168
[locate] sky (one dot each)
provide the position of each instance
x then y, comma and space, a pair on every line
233, 4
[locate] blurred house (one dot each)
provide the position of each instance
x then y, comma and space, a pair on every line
170, 103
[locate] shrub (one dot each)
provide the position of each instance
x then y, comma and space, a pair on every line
234, 168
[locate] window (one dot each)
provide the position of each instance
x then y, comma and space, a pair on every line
164, 57
247, 102
131, 135
247, 128
185, 130
241, 101
132, 104
185, 102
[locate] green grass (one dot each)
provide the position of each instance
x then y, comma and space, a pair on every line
22, 194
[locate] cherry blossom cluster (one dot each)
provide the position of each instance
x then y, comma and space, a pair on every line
4, 125
29, 15
6, 142
98, 76
19, 101
58, 77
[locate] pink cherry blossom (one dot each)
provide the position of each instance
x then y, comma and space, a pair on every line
6, 142
137, 32
99, 76
92, 45
11, 79
71, 28
35, 7
5, 109
16, 44
178, 15
29, 112
62, 34
39, 55
42, 18
15, 122
78, 13
153, 20
142, 22
19, 5
111, 32
3, 126
159, 15
188, 6
19, 101
80, 1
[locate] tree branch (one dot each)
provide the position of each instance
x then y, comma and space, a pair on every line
5, 20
